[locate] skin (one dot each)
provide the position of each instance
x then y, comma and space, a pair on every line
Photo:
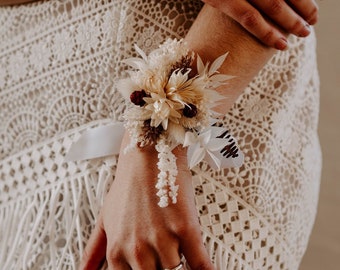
136, 232
132, 232
271, 20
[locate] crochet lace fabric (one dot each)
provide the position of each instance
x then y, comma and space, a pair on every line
59, 61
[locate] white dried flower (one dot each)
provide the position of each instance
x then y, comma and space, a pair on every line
168, 103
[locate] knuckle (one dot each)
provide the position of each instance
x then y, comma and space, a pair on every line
158, 239
297, 26
268, 37
250, 19
114, 255
275, 7
180, 229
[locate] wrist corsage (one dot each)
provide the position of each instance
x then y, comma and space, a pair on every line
168, 106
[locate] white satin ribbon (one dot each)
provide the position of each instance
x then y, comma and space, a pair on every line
214, 145
97, 142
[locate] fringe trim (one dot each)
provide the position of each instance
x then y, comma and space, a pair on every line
49, 229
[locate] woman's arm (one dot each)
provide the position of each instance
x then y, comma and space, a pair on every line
220, 35
132, 231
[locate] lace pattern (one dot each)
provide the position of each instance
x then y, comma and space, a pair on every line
59, 61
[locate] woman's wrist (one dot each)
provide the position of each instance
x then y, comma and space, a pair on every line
146, 159
247, 55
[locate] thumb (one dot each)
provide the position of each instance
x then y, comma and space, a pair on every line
95, 251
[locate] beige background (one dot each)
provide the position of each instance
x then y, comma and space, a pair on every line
324, 249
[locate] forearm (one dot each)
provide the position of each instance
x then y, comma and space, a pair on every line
214, 34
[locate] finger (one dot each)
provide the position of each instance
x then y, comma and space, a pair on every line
308, 10
142, 256
94, 253
252, 20
194, 251
169, 258
115, 258
284, 16
118, 265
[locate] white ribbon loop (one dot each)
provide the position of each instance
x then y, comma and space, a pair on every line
97, 142
216, 146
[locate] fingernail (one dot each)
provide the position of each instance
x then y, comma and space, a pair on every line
305, 30
281, 44
313, 20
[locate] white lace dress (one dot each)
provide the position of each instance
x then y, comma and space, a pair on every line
59, 61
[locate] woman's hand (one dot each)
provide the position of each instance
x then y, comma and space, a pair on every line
271, 20
133, 232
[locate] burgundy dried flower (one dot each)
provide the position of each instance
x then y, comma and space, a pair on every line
136, 97
190, 111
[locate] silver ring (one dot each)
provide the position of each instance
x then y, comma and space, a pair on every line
178, 267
